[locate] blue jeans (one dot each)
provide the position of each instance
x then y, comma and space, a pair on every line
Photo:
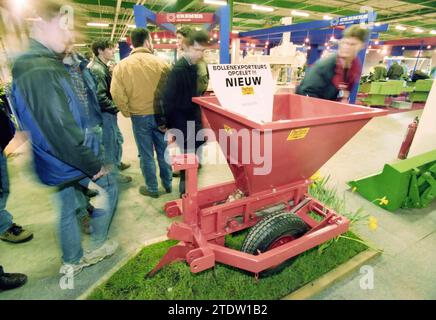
112, 139
104, 203
5, 216
148, 138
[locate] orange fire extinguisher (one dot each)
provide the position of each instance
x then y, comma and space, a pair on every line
405, 146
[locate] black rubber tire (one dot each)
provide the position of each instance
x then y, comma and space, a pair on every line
267, 231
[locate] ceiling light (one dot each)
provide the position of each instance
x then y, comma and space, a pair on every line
418, 30
327, 17
306, 40
216, 2
332, 38
18, 5
97, 24
215, 35
403, 48
262, 8
429, 47
401, 28
253, 45
299, 13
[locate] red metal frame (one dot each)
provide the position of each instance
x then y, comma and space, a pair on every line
207, 215
206, 223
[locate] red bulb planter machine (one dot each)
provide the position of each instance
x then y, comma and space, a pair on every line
306, 133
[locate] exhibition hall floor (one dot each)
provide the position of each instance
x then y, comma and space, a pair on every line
405, 270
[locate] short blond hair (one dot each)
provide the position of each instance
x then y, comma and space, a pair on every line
49, 9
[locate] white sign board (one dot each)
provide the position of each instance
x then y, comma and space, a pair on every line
425, 136
247, 89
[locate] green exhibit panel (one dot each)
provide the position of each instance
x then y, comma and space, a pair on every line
421, 91
378, 91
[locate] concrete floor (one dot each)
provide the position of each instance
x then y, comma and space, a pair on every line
405, 270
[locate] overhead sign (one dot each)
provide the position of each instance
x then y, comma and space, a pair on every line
350, 20
183, 17
247, 89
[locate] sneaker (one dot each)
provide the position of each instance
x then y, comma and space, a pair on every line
10, 281
124, 179
106, 250
74, 269
123, 166
90, 193
143, 190
16, 234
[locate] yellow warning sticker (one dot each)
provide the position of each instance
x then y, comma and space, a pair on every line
298, 134
228, 129
247, 91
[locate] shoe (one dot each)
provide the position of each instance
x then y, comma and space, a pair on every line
90, 193
10, 281
74, 269
124, 179
16, 234
123, 166
106, 250
143, 190
168, 189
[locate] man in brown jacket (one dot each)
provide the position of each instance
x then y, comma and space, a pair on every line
135, 88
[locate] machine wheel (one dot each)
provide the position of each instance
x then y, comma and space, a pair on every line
271, 233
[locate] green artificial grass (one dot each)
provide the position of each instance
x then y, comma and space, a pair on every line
223, 282
175, 281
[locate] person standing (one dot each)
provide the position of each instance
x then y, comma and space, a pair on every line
181, 86
57, 127
85, 88
9, 231
379, 72
202, 71
395, 71
334, 77
135, 88
112, 138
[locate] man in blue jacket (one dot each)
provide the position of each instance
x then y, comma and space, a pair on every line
48, 107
